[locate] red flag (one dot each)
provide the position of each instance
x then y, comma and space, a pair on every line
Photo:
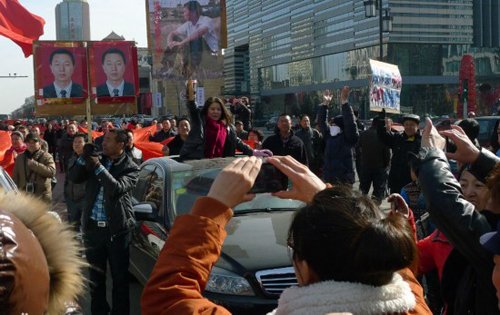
20, 25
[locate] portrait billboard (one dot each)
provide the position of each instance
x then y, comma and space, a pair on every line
385, 87
113, 72
185, 40
60, 72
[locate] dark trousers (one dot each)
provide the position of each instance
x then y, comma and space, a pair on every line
75, 209
377, 177
99, 250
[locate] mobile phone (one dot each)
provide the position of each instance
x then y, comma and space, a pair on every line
270, 179
30, 187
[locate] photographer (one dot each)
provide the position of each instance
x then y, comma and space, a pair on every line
107, 217
34, 169
334, 275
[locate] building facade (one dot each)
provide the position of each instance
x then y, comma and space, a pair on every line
283, 53
72, 20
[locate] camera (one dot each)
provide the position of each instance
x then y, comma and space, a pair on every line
30, 187
270, 179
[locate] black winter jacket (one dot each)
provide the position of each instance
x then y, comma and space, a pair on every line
118, 183
467, 273
338, 167
293, 147
401, 145
194, 146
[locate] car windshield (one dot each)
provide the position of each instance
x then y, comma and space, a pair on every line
187, 185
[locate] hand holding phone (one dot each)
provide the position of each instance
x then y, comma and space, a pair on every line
269, 179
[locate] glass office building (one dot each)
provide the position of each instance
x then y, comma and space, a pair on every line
283, 53
72, 20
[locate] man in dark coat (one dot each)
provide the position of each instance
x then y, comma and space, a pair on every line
284, 142
313, 143
401, 144
240, 108
340, 137
165, 133
107, 218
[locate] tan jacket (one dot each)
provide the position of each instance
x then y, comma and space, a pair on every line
40, 169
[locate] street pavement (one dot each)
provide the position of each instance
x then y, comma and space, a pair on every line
59, 206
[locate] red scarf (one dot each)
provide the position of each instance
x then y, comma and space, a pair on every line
215, 138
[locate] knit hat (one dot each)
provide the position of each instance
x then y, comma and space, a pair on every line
491, 241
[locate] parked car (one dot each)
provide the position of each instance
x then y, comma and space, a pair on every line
254, 267
271, 123
6, 182
486, 127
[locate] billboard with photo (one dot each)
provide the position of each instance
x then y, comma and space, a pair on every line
385, 87
185, 40
113, 71
60, 72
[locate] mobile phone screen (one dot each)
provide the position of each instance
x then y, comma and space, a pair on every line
270, 179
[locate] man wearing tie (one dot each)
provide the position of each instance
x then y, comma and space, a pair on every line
114, 66
62, 66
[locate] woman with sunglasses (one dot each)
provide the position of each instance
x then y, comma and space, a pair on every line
347, 255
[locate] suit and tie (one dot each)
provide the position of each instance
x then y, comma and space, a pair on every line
128, 90
49, 91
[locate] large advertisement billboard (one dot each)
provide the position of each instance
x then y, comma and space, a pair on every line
185, 40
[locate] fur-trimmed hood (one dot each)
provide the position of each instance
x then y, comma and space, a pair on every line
35, 248
328, 297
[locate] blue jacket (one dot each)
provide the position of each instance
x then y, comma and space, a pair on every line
338, 167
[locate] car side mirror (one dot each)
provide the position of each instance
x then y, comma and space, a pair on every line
145, 211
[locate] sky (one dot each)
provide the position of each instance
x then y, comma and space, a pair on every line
124, 17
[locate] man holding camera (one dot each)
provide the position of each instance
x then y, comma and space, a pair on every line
107, 218
34, 169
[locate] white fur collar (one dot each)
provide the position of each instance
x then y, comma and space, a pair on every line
331, 296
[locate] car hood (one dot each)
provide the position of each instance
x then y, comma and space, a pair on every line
256, 241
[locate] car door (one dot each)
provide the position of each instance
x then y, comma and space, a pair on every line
149, 209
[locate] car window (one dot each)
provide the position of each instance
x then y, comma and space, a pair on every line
149, 187
187, 186
6, 182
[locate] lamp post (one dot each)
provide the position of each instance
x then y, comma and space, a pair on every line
384, 20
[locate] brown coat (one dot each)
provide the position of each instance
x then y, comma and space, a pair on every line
39, 169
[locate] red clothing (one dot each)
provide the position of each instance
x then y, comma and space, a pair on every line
184, 265
433, 252
215, 138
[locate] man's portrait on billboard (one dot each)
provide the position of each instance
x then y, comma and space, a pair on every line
114, 66
62, 66
187, 39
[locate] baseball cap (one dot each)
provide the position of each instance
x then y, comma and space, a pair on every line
491, 241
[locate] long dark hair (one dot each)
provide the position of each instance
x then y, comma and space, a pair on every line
225, 115
343, 236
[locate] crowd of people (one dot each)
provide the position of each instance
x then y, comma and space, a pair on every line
434, 251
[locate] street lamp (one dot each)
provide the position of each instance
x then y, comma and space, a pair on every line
385, 20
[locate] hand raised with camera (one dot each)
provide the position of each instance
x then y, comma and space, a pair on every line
91, 156
466, 151
305, 184
232, 184
190, 90
431, 137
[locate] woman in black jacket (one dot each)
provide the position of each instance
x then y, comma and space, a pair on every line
466, 280
212, 134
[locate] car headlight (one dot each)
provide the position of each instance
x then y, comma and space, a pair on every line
226, 282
